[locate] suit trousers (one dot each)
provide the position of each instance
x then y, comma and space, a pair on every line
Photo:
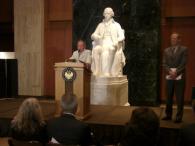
177, 87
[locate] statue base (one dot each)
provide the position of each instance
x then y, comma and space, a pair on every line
109, 90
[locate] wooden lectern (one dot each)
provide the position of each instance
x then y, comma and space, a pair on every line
81, 86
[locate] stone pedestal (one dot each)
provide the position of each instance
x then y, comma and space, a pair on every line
109, 90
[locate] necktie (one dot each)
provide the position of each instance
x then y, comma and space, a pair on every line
173, 50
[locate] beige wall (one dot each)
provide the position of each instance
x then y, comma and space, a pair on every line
29, 45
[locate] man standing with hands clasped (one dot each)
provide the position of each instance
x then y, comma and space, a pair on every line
174, 61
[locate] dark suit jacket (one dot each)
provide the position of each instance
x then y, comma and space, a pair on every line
175, 60
187, 134
68, 130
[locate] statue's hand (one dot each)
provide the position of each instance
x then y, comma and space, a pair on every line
115, 44
95, 37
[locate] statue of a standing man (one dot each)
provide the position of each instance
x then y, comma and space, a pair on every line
108, 42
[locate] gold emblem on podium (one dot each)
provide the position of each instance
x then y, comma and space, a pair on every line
69, 74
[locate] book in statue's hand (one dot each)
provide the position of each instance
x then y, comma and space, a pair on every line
82, 62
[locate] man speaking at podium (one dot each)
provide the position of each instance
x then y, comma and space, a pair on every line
81, 54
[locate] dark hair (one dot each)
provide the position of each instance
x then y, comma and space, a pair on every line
142, 129
146, 119
81, 40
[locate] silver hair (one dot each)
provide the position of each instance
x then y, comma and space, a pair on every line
109, 9
69, 104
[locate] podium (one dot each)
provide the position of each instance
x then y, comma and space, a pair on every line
81, 86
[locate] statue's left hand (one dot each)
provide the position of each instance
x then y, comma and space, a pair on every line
116, 45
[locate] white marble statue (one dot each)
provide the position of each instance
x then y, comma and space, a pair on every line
108, 43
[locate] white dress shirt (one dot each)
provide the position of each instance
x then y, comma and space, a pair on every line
84, 56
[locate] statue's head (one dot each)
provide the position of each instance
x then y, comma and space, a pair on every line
108, 13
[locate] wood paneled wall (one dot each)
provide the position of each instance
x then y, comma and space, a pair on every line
179, 8
6, 26
58, 38
179, 16
6, 11
29, 45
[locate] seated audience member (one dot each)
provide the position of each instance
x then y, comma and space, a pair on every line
66, 129
28, 124
142, 129
187, 132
